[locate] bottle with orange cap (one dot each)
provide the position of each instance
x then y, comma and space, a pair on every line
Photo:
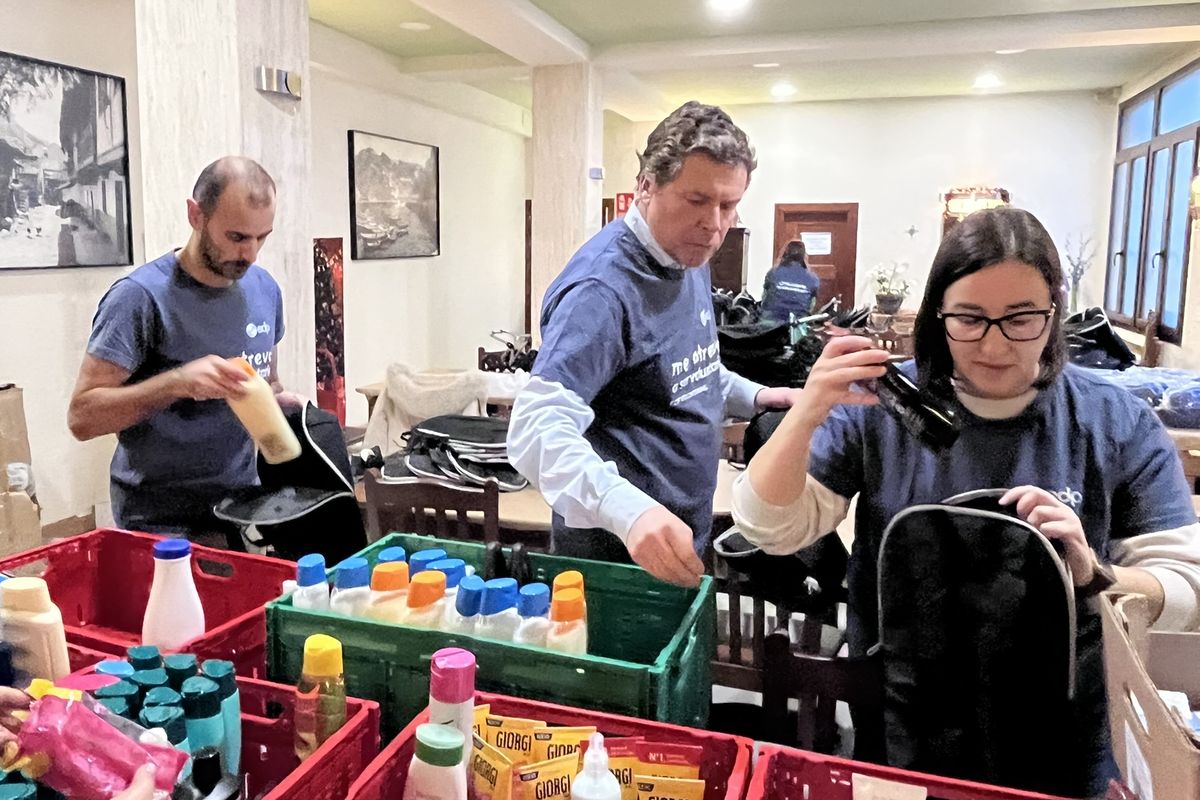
568, 626
388, 601
426, 603
263, 419
571, 579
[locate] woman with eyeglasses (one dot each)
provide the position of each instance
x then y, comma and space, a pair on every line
1088, 464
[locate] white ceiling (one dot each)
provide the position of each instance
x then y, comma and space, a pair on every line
826, 50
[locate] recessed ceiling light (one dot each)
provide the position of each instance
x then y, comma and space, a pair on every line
988, 80
727, 7
1010, 52
414, 26
782, 90
767, 65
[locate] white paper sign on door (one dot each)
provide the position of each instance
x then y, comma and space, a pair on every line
817, 243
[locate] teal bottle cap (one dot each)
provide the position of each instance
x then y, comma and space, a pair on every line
162, 696
144, 656
180, 667
439, 745
147, 679
201, 698
117, 705
122, 689
169, 718
220, 673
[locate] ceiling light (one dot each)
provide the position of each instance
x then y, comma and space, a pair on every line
767, 65
988, 80
782, 90
727, 7
1010, 52
414, 26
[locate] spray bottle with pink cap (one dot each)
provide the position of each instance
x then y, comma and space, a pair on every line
452, 692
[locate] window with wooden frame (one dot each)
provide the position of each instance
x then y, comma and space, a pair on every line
1149, 228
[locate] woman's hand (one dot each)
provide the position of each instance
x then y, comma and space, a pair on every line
1057, 521
11, 700
142, 787
845, 361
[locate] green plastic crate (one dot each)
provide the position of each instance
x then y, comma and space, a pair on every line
651, 646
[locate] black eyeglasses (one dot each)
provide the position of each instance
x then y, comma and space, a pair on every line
1023, 326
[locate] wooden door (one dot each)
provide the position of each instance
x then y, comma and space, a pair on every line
830, 233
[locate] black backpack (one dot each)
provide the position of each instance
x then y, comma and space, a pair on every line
977, 636
459, 449
306, 505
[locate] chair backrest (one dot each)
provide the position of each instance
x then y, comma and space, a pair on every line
421, 506
817, 683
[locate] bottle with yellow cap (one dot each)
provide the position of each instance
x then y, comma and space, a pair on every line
260, 414
320, 695
426, 600
388, 601
568, 629
571, 579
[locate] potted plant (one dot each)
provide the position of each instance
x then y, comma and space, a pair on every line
1079, 259
891, 286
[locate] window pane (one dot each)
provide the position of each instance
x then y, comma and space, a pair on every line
1133, 235
1152, 262
1185, 156
1137, 122
1180, 103
1116, 234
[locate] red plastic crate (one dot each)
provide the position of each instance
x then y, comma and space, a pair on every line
82, 659
786, 774
101, 583
268, 739
725, 768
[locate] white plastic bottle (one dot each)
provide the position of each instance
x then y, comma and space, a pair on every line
594, 781
463, 616
498, 618
33, 626
389, 592
533, 605
263, 419
568, 629
351, 587
174, 615
312, 591
452, 692
455, 569
426, 606
436, 771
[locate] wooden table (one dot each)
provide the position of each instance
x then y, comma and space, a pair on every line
527, 510
1185, 439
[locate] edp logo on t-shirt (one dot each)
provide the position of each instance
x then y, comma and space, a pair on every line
253, 330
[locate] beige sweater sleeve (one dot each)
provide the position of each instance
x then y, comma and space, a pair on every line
781, 530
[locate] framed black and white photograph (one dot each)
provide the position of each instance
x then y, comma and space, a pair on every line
64, 167
393, 198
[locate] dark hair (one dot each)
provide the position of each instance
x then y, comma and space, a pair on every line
694, 128
217, 176
982, 239
792, 252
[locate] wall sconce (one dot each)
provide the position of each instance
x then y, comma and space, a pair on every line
958, 203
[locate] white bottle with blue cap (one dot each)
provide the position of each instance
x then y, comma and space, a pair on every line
463, 615
420, 561
312, 591
498, 618
351, 587
533, 605
174, 615
455, 569
393, 553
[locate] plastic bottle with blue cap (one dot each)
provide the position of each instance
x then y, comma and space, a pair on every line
351, 587
463, 615
455, 569
498, 617
389, 554
174, 615
420, 561
533, 605
312, 590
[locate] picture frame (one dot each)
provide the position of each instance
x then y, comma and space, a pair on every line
394, 197
64, 166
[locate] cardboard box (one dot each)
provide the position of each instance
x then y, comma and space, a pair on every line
20, 523
1157, 755
14, 436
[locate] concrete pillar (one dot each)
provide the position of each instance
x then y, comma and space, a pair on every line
568, 140
196, 65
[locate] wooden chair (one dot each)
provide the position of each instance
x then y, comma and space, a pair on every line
818, 683
420, 506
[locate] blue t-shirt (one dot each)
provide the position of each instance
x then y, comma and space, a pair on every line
790, 288
1099, 449
168, 470
637, 342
